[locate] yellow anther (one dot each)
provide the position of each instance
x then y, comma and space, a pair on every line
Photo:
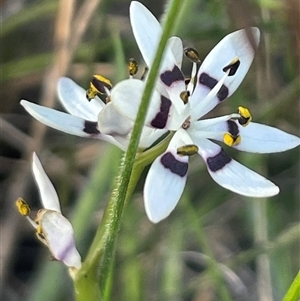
187, 150
185, 96
192, 54
231, 140
91, 92
232, 66
40, 235
98, 85
246, 117
39, 230
133, 67
23, 207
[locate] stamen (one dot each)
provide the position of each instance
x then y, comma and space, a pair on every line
192, 54
245, 116
187, 150
232, 66
39, 230
133, 67
108, 98
98, 85
145, 72
231, 140
191, 85
24, 210
185, 96
23, 207
40, 235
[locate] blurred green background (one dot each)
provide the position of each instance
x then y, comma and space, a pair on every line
216, 245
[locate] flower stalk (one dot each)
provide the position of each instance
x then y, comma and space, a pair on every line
87, 285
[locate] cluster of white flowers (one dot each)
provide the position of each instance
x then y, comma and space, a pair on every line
174, 106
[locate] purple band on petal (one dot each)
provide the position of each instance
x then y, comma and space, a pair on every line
177, 167
170, 77
233, 129
209, 82
161, 118
218, 161
91, 127
65, 252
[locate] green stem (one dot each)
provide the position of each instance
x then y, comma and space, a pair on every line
103, 247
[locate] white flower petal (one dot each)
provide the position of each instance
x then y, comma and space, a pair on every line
147, 32
48, 194
175, 44
114, 123
260, 138
255, 137
236, 44
232, 175
166, 180
73, 98
149, 136
67, 123
126, 98
59, 235
61, 121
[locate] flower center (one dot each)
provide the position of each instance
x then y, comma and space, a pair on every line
187, 123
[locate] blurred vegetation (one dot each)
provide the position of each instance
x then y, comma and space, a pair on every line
216, 245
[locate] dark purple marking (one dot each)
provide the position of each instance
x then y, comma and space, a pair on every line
233, 128
170, 77
218, 161
176, 167
90, 127
210, 82
161, 118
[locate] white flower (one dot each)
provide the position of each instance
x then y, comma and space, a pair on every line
82, 119
219, 76
52, 228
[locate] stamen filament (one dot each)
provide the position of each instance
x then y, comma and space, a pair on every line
191, 84
32, 222
209, 97
202, 124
